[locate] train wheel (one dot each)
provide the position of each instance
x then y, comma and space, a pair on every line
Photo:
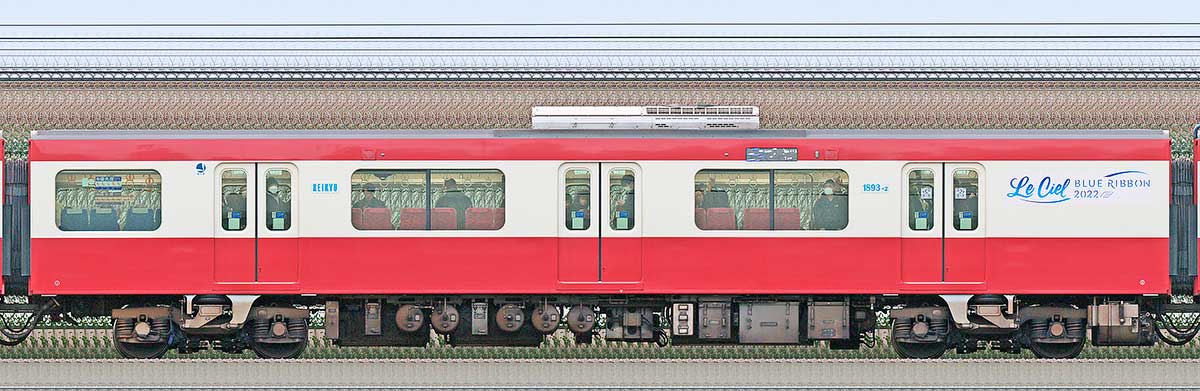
924, 350
919, 350
144, 339
278, 347
1057, 350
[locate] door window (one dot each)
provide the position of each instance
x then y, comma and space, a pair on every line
279, 199
966, 199
233, 199
921, 204
621, 199
577, 190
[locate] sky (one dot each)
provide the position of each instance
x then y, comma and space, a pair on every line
573, 11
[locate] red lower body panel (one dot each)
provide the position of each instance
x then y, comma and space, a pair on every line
578, 259
965, 259
233, 260
654, 265
921, 259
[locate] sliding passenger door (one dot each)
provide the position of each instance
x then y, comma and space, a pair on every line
278, 238
942, 235
234, 252
599, 232
621, 233
963, 240
578, 234
921, 232
256, 239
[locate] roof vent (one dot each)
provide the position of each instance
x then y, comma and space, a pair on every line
648, 117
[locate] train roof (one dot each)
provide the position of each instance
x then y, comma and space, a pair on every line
79, 134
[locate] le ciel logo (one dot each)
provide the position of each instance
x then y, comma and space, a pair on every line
1051, 190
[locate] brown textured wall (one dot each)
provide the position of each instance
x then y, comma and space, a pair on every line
28, 106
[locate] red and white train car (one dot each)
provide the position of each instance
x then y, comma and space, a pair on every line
1018, 239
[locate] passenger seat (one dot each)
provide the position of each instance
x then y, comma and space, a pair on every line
444, 218
412, 218
377, 219
103, 219
756, 219
787, 219
73, 219
140, 219
481, 218
721, 219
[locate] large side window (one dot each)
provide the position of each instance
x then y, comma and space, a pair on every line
108, 200
733, 199
427, 199
920, 200
233, 199
388, 199
966, 199
772, 199
811, 200
467, 199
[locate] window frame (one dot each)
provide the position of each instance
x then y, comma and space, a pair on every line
612, 207
772, 206
910, 218
245, 199
566, 194
154, 173
430, 191
291, 209
976, 216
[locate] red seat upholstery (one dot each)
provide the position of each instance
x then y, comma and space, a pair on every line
756, 218
498, 218
376, 218
721, 218
481, 218
412, 218
444, 218
787, 218
356, 217
701, 218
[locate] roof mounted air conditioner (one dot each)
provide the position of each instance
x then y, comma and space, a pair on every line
648, 117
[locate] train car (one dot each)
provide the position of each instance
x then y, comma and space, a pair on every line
1009, 239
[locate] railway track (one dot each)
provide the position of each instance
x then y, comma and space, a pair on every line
96, 344
882, 374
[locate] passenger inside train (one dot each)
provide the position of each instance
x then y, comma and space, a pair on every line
966, 199
369, 200
772, 199
233, 200
279, 203
829, 212
622, 202
579, 210
454, 198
